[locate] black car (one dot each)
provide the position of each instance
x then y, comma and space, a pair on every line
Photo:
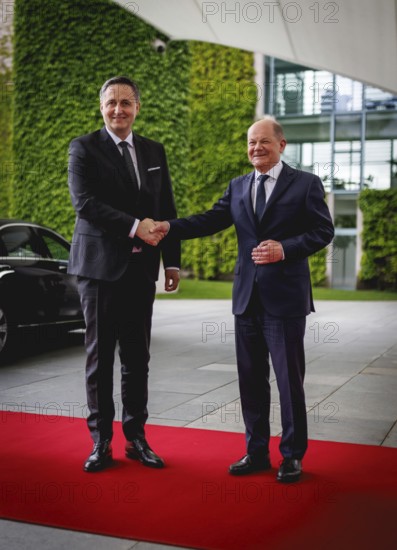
35, 290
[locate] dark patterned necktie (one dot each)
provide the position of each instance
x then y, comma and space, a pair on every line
129, 164
260, 197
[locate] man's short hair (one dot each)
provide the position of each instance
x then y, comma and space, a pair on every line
124, 80
277, 128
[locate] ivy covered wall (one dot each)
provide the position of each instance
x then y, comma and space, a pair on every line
379, 238
64, 51
222, 107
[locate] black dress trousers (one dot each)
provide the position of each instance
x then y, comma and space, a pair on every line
119, 311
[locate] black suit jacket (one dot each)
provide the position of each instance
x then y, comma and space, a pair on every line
106, 206
296, 215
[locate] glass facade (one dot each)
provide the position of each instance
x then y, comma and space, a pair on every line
343, 131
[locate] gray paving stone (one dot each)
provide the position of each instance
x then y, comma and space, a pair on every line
23, 536
391, 437
159, 402
201, 382
386, 361
220, 367
316, 393
166, 422
336, 427
326, 365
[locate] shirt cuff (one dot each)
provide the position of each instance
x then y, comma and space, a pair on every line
133, 229
175, 268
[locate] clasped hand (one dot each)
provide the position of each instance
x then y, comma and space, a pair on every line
267, 252
152, 232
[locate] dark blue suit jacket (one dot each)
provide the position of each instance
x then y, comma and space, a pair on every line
296, 215
106, 206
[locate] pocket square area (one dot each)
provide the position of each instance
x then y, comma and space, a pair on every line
154, 168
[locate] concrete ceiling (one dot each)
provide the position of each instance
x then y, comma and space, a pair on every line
354, 38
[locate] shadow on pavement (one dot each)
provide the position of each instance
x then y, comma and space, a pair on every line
34, 342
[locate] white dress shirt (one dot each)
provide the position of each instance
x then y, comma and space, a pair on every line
270, 183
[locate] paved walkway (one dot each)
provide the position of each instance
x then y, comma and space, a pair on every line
351, 386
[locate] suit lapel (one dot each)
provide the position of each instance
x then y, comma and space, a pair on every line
247, 197
111, 150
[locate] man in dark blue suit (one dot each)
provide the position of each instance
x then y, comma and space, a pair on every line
119, 182
281, 218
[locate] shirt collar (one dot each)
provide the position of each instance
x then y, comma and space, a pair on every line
272, 173
117, 140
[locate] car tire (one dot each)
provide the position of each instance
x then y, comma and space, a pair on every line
7, 333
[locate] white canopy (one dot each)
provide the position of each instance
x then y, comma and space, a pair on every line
354, 38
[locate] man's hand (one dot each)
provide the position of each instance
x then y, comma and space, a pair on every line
268, 252
144, 232
161, 228
171, 279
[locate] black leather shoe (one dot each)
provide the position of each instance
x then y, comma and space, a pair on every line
100, 458
138, 449
290, 470
249, 464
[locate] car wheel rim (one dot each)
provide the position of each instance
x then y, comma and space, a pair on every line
3, 329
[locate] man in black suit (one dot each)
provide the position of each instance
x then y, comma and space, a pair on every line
118, 183
281, 218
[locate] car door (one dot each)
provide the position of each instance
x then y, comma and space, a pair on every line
64, 288
28, 287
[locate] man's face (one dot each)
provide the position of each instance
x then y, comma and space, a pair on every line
119, 109
264, 148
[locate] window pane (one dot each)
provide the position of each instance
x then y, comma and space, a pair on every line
378, 100
19, 243
348, 95
378, 161
57, 248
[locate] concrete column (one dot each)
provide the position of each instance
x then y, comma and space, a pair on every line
259, 66
330, 257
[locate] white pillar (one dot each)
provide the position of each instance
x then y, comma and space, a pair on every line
330, 256
259, 66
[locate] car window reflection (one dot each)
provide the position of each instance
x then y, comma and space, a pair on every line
18, 243
57, 249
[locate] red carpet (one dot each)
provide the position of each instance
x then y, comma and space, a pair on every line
347, 497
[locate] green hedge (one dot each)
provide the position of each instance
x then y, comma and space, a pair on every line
379, 238
317, 264
64, 51
222, 107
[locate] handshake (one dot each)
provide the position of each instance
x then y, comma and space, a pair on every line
152, 232
267, 252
